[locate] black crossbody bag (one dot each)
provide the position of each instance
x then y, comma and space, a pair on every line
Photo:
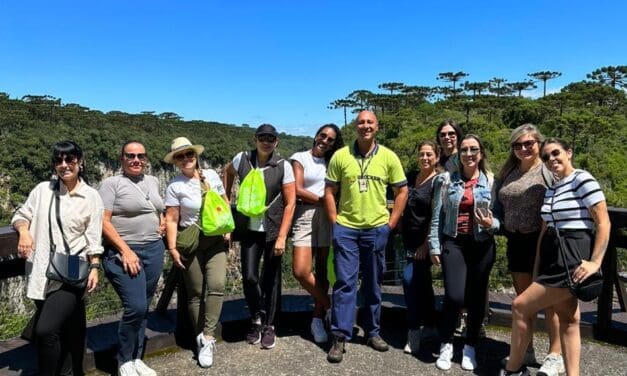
64, 267
592, 286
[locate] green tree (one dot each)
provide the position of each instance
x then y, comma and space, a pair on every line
544, 76
476, 87
521, 85
610, 75
453, 78
391, 86
343, 104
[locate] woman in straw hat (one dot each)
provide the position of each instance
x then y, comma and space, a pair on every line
204, 270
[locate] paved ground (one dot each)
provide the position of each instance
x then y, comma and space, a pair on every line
296, 354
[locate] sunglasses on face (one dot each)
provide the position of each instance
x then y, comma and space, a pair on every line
554, 153
449, 134
67, 158
266, 138
324, 136
469, 151
132, 156
187, 155
526, 144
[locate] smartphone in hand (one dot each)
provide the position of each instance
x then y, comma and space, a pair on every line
482, 207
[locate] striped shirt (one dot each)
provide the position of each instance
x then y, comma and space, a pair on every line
568, 201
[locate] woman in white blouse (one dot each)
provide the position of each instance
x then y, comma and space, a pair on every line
60, 329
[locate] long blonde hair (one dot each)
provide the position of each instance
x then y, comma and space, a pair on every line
512, 161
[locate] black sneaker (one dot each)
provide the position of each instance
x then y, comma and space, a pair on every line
268, 337
336, 354
378, 344
253, 336
523, 371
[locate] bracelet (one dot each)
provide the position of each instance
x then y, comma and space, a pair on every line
95, 265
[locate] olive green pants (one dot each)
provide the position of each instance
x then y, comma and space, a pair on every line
204, 279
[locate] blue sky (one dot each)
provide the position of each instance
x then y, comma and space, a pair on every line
283, 62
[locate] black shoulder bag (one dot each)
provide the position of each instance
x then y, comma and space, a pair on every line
592, 286
64, 267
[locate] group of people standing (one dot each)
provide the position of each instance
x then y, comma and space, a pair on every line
447, 211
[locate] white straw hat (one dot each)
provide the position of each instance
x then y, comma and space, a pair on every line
179, 144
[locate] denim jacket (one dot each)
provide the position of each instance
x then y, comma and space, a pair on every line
448, 191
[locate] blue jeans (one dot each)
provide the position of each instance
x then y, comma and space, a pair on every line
355, 248
418, 290
136, 294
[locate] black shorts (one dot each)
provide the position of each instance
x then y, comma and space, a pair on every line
521, 251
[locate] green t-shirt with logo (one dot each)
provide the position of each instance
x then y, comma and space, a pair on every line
363, 182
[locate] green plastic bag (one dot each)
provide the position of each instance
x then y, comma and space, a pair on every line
331, 267
251, 200
215, 216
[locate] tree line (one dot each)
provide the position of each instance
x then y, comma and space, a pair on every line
30, 125
590, 114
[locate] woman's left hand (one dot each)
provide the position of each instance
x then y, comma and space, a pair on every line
92, 280
279, 246
483, 221
585, 270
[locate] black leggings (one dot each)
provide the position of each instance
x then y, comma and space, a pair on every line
60, 332
466, 264
263, 299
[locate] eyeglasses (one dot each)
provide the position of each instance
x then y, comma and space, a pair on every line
449, 134
188, 155
69, 159
526, 144
554, 153
266, 138
324, 136
469, 151
132, 156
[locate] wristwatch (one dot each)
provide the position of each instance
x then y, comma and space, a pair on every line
95, 265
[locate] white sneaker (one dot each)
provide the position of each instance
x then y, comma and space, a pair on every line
318, 331
206, 349
127, 369
446, 355
413, 341
469, 363
142, 369
552, 365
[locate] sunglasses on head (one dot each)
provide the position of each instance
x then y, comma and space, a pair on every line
450, 134
266, 138
69, 159
554, 153
324, 136
526, 144
132, 156
469, 151
189, 155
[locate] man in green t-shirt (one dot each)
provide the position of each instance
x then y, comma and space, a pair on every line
361, 173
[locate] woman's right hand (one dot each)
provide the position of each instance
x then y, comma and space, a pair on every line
435, 259
24, 244
177, 259
130, 262
421, 252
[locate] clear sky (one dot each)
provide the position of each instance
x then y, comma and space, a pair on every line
283, 62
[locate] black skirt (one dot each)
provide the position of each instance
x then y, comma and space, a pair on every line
552, 271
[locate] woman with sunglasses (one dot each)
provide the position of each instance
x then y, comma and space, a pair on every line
132, 227
417, 284
311, 231
520, 188
447, 136
461, 241
204, 271
574, 205
264, 235
69, 202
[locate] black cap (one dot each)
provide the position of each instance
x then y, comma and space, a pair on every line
266, 129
